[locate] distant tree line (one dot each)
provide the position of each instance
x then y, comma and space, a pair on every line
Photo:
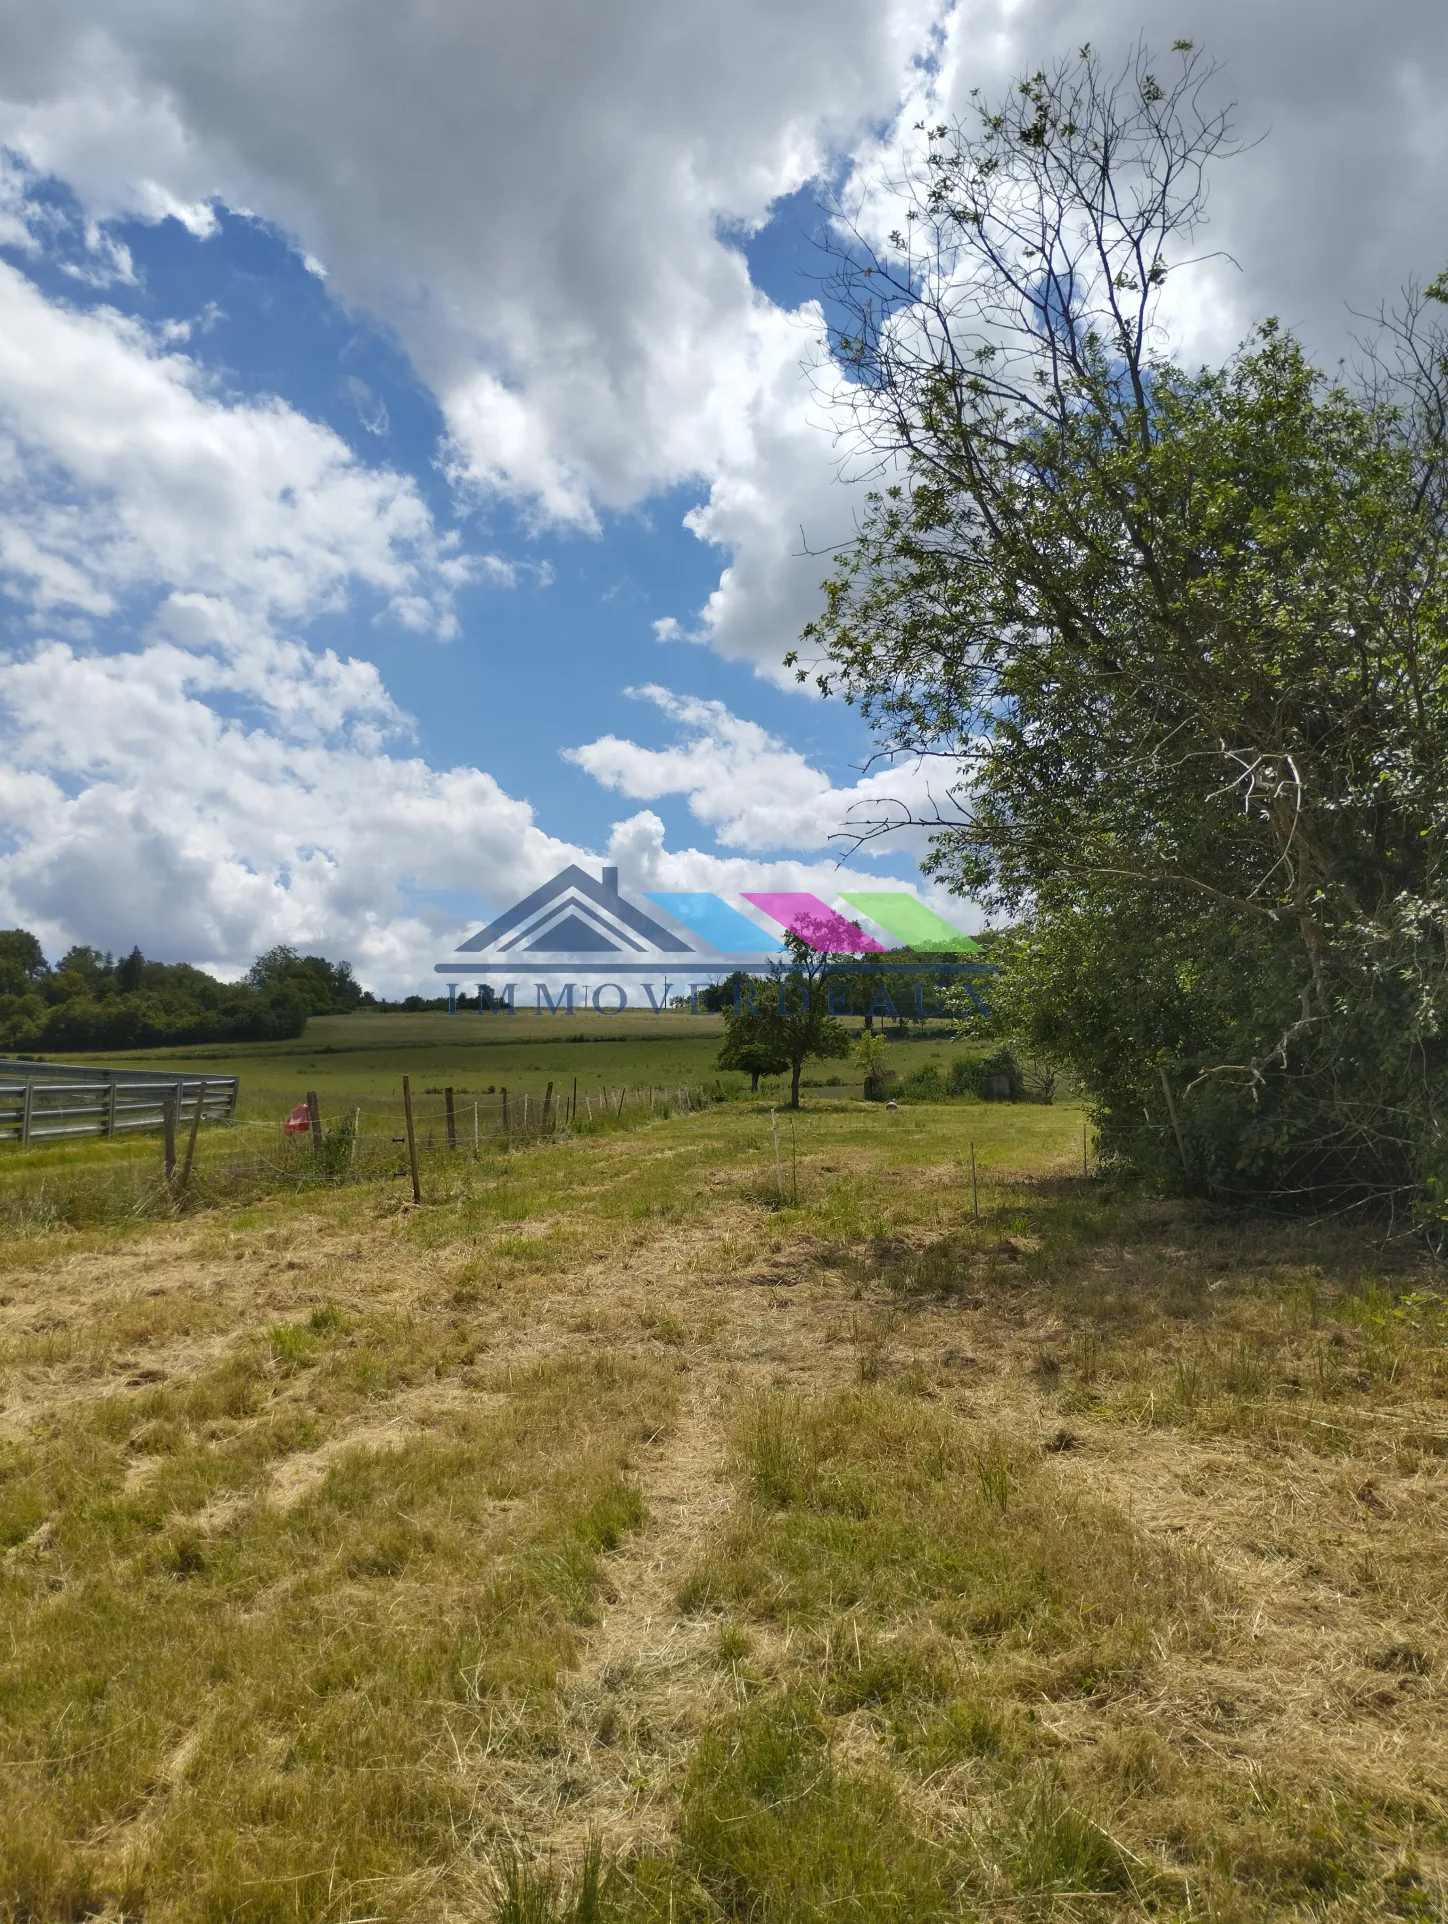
863, 990
93, 1001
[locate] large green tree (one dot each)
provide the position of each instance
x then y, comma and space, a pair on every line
1178, 633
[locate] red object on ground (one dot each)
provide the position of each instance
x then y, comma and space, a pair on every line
297, 1121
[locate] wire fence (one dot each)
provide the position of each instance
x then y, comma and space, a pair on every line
407, 1138
460, 1121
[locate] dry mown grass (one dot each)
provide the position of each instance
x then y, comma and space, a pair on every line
607, 1540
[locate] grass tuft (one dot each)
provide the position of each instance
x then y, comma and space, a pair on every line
533, 1896
774, 1829
1053, 1847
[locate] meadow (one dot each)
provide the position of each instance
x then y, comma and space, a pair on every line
356, 1063
362, 1058
719, 1517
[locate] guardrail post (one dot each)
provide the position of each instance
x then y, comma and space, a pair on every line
25, 1110
111, 1112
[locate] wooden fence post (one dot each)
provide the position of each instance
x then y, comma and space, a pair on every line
573, 1106
547, 1105
195, 1131
411, 1139
170, 1103
452, 1121
314, 1116
505, 1112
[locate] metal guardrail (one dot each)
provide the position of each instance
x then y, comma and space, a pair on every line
54, 1100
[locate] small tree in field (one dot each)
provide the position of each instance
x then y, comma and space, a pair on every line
806, 1027
871, 1053
753, 1038
781, 1022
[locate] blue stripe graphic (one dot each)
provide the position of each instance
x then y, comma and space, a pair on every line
718, 923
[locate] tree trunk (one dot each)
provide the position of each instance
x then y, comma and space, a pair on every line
794, 1069
754, 1082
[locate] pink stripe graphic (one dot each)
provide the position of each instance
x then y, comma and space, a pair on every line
817, 923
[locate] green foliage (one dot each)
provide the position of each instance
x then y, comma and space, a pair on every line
782, 1021
926, 1085
998, 1076
22, 961
871, 1053
718, 998
871, 1057
754, 1041
92, 1002
1054, 1847
324, 988
806, 1027
775, 1830
149, 1019
532, 1896
1183, 635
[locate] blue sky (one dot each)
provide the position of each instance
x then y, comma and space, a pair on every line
538, 665
409, 413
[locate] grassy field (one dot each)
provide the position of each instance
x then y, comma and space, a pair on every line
356, 1059
648, 1528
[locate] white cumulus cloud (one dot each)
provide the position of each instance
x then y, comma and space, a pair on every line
217, 784
751, 788
138, 813
121, 470
540, 201
543, 202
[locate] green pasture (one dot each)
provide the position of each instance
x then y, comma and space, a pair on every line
356, 1063
353, 1060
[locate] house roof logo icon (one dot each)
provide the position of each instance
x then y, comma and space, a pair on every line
573, 917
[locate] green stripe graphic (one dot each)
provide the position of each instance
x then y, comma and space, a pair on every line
911, 922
